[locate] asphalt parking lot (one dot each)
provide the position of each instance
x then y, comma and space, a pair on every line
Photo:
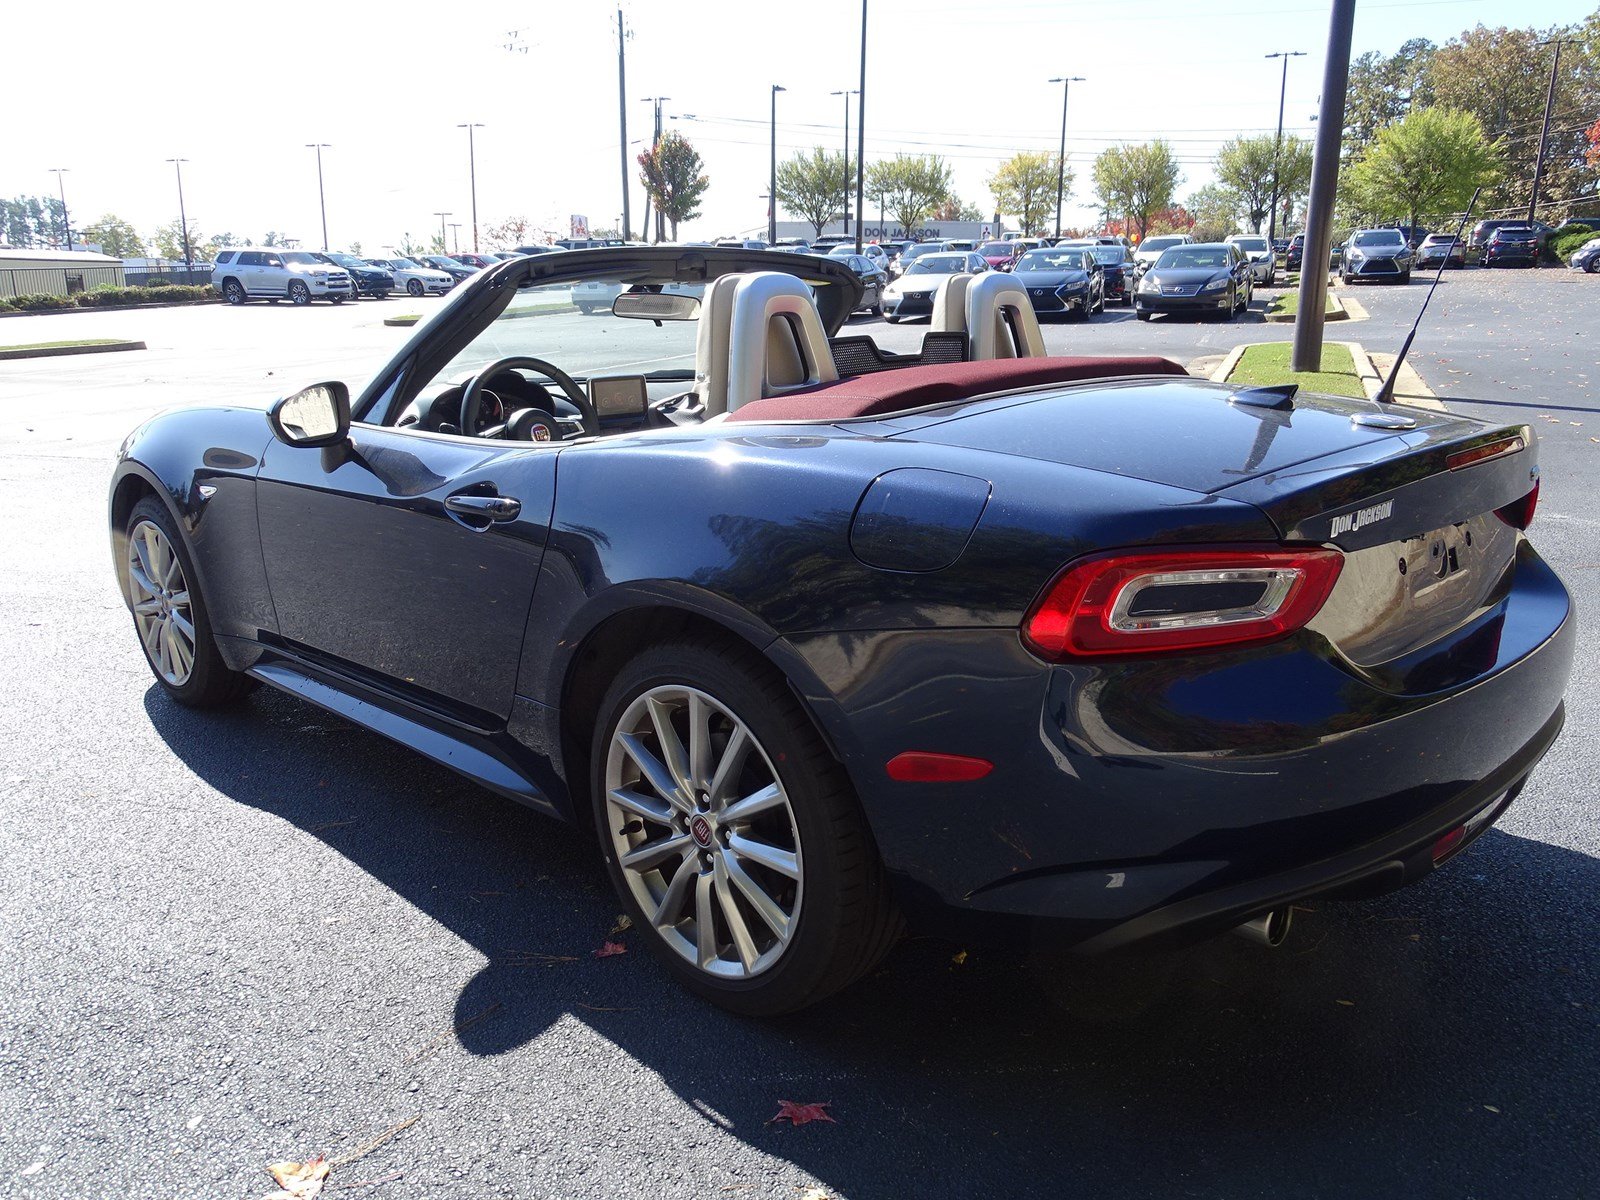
237, 938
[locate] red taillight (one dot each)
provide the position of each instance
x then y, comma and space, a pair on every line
1445, 846
1478, 454
929, 766
1168, 601
1519, 513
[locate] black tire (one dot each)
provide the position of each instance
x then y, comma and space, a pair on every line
1405, 277
877, 309
586, 309
233, 291
414, 287
336, 299
892, 319
210, 682
1593, 265
380, 295
299, 293
846, 920
272, 299
1143, 316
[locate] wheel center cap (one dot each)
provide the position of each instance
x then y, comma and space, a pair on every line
700, 831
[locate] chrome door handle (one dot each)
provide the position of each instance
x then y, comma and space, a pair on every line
493, 509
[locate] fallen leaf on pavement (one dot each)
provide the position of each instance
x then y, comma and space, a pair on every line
610, 949
960, 958
624, 923
813, 1193
1491, 1108
1346, 1003
801, 1114
300, 1181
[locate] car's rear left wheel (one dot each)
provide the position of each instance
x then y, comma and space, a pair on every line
169, 613
732, 834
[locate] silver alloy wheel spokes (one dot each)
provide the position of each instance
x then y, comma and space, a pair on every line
703, 830
160, 596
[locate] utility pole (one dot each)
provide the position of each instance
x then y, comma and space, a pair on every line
1307, 354
772, 170
1544, 130
472, 174
622, 117
455, 235
183, 219
66, 225
443, 245
1066, 82
1277, 142
322, 201
861, 132
846, 94
661, 220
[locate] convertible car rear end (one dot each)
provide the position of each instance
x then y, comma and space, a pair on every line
813, 634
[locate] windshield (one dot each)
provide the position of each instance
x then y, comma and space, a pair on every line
1378, 237
995, 249
1052, 260
303, 258
1109, 254
939, 264
1195, 258
405, 264
1159, 243
347, 260
1250, 243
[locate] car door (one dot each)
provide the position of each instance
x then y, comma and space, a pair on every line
409, 559
249, 272
271, 277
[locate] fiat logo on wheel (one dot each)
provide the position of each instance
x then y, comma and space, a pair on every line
700, 830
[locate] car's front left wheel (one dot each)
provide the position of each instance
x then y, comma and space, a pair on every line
169, 613
732, 834
414, 287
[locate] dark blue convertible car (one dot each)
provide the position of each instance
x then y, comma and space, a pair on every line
815, 637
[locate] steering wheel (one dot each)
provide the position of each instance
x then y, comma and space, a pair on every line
472, 395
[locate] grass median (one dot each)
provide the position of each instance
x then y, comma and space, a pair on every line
1269, 364
66, 345
1287, 305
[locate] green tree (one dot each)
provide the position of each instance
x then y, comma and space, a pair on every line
813, 186
1245, 166
1383, 89
1215, 209
1500, 77
1424, 165
355, 248
32, 221
912, 187
1136, 181
115, 237
674, 176
168, 242
1025, 186
409, 248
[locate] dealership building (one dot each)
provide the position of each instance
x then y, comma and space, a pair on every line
55, 272
889, 231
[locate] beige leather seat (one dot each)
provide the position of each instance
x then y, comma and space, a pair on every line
994, 311
759, 336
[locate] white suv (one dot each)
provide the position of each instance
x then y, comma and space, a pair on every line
270, 274
1263, 262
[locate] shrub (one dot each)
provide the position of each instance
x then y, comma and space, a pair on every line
40, 302
171, 293
5, 303
1566, 241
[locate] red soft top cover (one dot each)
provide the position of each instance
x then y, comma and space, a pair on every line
905, 388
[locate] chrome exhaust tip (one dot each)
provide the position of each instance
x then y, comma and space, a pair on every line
1269, 929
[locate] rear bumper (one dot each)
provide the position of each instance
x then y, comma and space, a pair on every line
1174, 798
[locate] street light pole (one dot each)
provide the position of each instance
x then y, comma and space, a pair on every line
183, 219
1544, 130
472, 171
444, 246
846, 94
622, 119
772, 171
1066, 82
861, 132
455, 235
1306, 354
66, 225
1277, 143
660, 221
322, 201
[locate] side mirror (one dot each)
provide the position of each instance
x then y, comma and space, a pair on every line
315, 416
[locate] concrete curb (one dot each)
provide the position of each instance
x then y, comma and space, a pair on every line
1225, 368
1340, 313
64, 351
56, 312
405, 321
1408, 388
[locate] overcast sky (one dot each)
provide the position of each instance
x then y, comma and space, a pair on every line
97, 89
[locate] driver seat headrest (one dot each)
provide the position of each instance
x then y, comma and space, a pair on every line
760, 335
994, 312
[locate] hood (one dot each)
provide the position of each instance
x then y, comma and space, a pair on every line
1177, 275
314, 268
1054, 277
920, 282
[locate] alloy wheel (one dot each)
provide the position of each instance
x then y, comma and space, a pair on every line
161, 606
703, 831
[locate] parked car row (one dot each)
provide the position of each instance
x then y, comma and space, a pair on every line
269, 273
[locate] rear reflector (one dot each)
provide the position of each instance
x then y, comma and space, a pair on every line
1443, 848
1169, 601
928, 766
1478, 454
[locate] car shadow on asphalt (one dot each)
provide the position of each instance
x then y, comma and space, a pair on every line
1441, 1040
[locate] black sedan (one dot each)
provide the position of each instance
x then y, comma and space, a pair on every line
1512, 244
1078, 641
1207, 278
874, 279
367, 279
458, 271
1063, 280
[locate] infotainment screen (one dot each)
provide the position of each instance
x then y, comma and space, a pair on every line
619, 396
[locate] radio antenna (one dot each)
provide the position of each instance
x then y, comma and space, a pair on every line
1386, 392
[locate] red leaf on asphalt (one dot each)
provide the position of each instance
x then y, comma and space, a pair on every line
609, 949
800, 1114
